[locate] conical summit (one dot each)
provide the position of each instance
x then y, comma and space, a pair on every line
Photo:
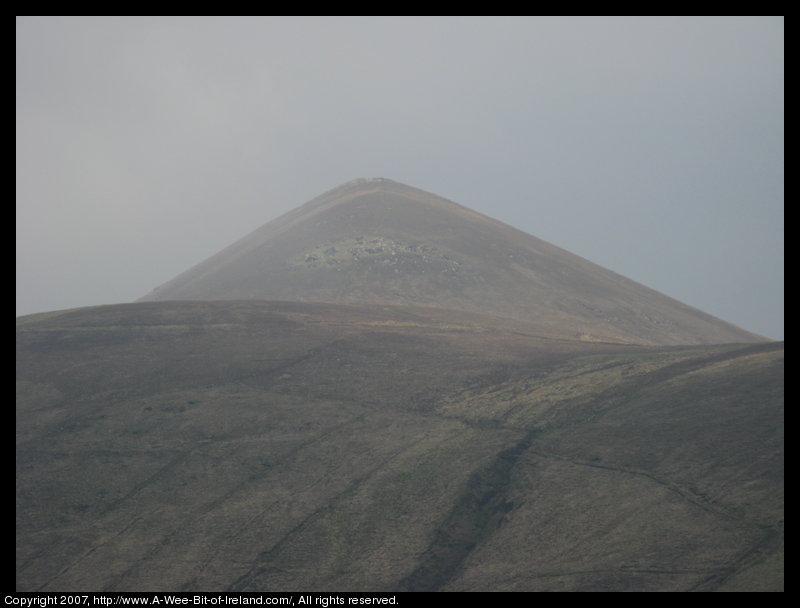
380, 241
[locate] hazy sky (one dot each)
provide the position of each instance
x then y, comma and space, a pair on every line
652, 146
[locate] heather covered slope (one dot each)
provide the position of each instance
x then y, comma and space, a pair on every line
302, 446
376, 240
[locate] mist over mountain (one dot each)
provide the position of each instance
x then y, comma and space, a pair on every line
376, 240
383, 390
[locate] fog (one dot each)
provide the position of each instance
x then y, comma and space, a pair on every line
652, 146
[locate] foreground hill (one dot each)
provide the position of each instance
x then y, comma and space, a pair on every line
303, 446
376, 240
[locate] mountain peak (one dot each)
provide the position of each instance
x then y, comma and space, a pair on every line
368, 181
364, 185
375, 240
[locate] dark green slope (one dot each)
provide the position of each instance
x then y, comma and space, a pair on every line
376, 240
290, 446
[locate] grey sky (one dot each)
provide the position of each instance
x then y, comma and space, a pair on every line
650, 145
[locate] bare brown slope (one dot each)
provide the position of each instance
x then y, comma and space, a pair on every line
283, 446
375, 240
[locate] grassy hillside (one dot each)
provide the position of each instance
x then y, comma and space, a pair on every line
287, 446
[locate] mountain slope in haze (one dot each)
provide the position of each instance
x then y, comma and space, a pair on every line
284, 446
376, 240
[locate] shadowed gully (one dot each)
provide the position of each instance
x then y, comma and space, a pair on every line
385, 391
284, 446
